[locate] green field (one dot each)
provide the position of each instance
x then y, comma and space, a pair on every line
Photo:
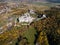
29, 34
46, 4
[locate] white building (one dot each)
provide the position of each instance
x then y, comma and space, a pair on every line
26, 18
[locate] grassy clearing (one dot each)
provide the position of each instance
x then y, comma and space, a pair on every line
29, 34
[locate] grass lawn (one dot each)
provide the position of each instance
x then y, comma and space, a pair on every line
29, 34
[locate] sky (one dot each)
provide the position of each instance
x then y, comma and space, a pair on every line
53, 1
